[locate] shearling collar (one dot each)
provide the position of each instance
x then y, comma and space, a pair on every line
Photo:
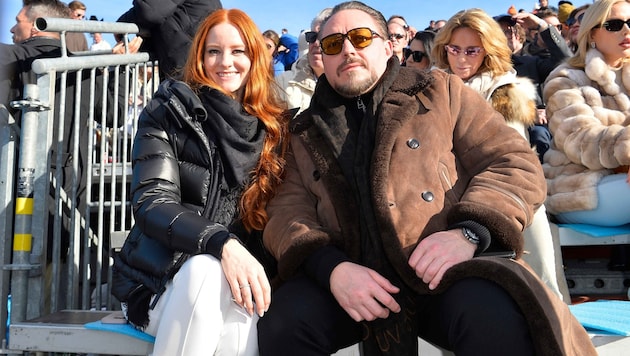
600, 72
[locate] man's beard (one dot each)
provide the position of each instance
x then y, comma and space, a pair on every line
355, 84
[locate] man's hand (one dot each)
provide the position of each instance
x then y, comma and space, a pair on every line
362, 292
438, 252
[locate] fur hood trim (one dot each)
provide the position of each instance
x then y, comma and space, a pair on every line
512, 96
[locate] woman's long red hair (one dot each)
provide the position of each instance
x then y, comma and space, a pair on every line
260, 99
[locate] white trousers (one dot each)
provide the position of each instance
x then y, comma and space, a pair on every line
540, 252
196, 315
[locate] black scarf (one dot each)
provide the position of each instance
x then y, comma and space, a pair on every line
237, 135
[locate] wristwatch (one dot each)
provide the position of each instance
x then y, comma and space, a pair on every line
470, 236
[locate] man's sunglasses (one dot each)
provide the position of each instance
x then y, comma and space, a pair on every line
359, 37
396, 36
573, 20
310, 36
456, 50
418, 56
615, 25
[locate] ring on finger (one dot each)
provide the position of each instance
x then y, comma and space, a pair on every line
244, 286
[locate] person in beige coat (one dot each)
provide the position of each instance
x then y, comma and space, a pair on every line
392, 212
589, 114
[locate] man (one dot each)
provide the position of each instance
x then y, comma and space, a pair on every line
398, 35
298, 84
29, 44
391, 189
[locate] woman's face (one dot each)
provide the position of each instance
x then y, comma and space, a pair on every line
225, 58
470, 54
614, 45
417, 46
575, 27
271, 47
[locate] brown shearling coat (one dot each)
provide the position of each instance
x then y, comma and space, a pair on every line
442, 155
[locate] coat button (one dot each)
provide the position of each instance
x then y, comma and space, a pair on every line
413, 143
427, 196
316, 175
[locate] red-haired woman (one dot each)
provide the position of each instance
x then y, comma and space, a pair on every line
207, 157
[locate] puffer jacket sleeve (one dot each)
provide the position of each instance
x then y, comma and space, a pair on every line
156, 187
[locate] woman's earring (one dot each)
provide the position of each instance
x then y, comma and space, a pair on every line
593, 45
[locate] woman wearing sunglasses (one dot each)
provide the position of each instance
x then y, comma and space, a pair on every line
589, 114
472, 46
420, 50
573, 23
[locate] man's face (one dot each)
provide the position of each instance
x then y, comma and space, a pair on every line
23, 29
315, 54
355, 71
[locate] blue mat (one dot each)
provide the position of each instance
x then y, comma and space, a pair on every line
125, 329
607, 316
598, 231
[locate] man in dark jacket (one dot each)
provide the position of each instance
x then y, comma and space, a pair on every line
167, 29
391, 198
29, 44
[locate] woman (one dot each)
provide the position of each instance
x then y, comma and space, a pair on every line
472, 46
588, 110
208, 156
272, 42
420, 50
573, 22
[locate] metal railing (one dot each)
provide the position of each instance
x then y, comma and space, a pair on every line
80, 103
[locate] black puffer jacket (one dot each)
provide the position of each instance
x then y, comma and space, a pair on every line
184, 203
168, 27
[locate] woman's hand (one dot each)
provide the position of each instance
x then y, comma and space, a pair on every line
246, 277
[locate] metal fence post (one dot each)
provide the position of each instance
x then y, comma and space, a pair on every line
24, 202
8, 137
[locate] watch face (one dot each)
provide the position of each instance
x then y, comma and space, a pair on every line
471, 236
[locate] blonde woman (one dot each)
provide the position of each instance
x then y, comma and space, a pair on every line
589, 114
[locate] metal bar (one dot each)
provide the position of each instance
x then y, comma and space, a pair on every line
45, 65
50, 24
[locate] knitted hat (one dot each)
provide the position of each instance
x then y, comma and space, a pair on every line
564, 10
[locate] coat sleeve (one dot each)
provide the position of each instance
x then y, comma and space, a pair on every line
149, 13
293, 231
156, 186
507, 183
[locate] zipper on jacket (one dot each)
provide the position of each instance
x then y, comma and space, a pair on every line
360, 104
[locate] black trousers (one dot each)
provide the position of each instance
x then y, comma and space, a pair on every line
473, 317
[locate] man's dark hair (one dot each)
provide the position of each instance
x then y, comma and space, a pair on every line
378, 17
